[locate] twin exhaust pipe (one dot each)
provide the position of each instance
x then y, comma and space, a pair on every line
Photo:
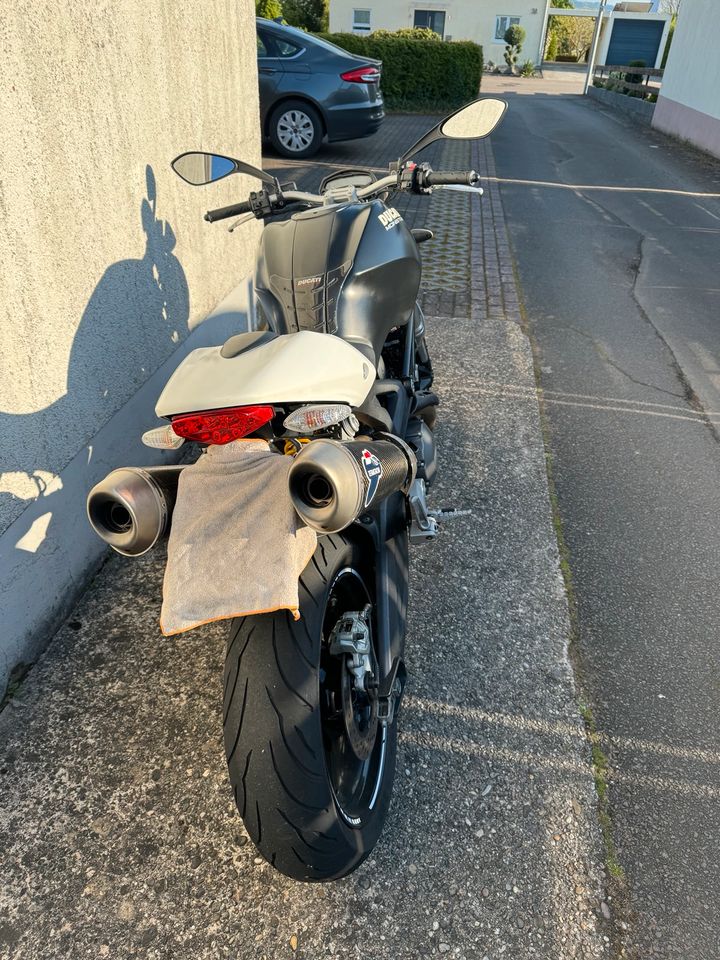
330, 484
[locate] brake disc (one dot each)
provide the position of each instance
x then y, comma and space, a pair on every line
360, 717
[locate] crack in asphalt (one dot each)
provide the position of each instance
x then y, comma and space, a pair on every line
605, 357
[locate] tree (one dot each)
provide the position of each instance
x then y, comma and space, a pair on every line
555, 30
269, 9
578, 34
514, 38
309, 15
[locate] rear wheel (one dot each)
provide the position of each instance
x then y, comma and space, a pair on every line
311, 767
296, 129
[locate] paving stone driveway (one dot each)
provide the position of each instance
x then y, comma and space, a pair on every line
117, 827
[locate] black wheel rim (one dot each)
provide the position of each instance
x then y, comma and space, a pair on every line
355, 782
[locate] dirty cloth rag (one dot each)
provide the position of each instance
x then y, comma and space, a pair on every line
236, 544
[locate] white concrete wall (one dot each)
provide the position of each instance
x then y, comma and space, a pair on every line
464, 20
689, 101
107, 262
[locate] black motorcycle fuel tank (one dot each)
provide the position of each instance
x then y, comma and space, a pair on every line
352, 270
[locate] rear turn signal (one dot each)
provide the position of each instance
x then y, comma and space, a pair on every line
221, 426
361, 75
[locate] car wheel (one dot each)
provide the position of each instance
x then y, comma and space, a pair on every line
296, 129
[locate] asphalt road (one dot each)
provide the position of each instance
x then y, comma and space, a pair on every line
616, 236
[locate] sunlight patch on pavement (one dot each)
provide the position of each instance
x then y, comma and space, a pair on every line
557, 728
32, 540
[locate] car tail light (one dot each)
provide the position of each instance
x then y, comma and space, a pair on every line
361, 75
221, 426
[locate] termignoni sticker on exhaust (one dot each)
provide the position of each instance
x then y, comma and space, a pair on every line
373, 471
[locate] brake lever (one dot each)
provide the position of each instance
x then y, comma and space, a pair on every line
460, 187
240, 220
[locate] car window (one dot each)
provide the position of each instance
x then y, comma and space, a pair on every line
262, 50
285, 49
326, 45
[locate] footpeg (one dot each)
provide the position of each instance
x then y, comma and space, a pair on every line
448, 513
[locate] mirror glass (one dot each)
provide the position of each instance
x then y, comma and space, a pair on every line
477, 119
201, 168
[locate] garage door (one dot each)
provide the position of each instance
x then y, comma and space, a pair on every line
634, 40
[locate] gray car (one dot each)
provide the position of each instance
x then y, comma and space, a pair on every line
311, 90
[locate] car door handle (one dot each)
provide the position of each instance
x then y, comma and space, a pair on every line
267, 70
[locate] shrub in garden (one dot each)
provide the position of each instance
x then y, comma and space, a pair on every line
514, 38
409, 33
307, 14
552, 47
419, 74
527, 69
635, 77
269, 9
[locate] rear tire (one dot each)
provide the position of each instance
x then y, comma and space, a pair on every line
294, 794
296, 129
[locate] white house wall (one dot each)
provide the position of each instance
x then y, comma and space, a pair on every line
464, 20
689, 101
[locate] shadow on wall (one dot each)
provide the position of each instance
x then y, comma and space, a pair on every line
137, 313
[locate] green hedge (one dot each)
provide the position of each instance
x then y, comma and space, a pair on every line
419, 74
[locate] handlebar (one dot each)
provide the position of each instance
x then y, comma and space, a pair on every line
441, 178
414, 179
224, 213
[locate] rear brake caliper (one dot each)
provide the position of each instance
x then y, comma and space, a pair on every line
351, 637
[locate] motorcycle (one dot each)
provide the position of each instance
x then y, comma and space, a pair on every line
338, 378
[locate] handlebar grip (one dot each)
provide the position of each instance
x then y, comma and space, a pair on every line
440, 178
223, 213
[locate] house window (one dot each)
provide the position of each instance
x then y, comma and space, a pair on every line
361, 21
501, 25
431, 20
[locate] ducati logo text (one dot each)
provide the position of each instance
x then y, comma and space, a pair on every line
389, 218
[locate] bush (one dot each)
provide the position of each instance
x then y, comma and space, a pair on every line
635, 77
552, 47
671, 34
306, 14
514, 38
419, 74
527, 69
269, 9
409, 33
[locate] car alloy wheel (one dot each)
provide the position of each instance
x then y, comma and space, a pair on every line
295, 130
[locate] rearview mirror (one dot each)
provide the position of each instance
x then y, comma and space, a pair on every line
198, 168
474, 120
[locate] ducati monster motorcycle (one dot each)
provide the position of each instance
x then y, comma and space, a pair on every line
338, 377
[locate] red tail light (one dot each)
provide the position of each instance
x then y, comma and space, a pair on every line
361, 75
221, 426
